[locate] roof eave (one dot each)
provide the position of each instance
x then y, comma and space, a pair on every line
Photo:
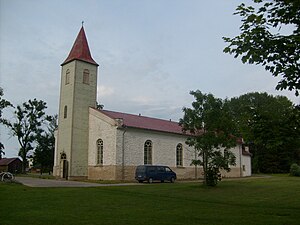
82, 60
161, 131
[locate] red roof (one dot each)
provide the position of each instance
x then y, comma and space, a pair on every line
7, 161
143, 122
80, 50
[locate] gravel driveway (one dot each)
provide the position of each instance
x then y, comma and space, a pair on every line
36, 182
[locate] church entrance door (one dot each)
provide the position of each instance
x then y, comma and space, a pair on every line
65, 169
63, 166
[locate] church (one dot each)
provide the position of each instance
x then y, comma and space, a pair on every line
98, 144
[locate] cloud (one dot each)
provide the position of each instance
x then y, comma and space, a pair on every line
143, 100
104, 91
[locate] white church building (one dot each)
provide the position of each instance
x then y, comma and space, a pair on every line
106, 145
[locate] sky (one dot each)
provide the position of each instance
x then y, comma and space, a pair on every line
151, 53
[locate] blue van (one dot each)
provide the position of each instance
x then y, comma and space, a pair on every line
152, 172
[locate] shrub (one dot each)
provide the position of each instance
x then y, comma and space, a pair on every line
295, 170
212, 176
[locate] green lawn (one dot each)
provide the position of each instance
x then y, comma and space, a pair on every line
274, 200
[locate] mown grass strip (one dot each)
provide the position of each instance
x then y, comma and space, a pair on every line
274, 200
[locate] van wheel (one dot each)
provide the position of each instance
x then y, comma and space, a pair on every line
172, 180
162, 181
150, 180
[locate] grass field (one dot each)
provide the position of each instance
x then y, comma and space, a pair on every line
273, 200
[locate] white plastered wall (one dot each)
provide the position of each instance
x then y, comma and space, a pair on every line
101, 127
163, 147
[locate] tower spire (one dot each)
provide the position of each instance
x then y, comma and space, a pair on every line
80, 49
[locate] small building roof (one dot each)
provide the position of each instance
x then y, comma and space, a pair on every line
147, 123
80, 50
7, 161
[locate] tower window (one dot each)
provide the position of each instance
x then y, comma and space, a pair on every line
179, 153
86, 76
65, 111
100, 151
63, 156
67, 81
148, 152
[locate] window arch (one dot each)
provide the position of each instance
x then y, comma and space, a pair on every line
86, 76
67, 81
148, 152
65, 112
179, 155
63, 156
100, 151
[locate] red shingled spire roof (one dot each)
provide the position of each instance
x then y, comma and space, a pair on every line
80, 50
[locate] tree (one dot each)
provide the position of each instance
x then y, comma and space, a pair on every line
99, 106
3, 104
1, 150
211, 128
44, 151
263, 39
270, 126
30, 117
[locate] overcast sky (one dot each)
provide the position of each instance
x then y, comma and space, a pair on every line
151, 53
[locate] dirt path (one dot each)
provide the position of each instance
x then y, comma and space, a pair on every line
37, 182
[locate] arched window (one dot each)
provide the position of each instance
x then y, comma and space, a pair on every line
99, 151
67, 81
65, 112
179, 153
148, 152
63, 156
86, 76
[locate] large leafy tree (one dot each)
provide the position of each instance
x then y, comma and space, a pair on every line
271, 126
1, 150
211, 128
270, 36
29, 119
44, 151
3, 104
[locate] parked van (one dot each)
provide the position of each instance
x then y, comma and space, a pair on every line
151, 172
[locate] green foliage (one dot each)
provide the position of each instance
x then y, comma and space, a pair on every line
212, 129
262, 41
30, 117
271, 127
295, 170
1, 150
99, 105
3, 104
212, 176
44, 152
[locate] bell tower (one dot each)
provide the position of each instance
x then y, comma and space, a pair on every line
78, 90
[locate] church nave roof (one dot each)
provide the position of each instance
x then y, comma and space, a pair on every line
143, 122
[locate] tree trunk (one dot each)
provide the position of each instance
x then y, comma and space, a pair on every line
204, 158
24, 163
